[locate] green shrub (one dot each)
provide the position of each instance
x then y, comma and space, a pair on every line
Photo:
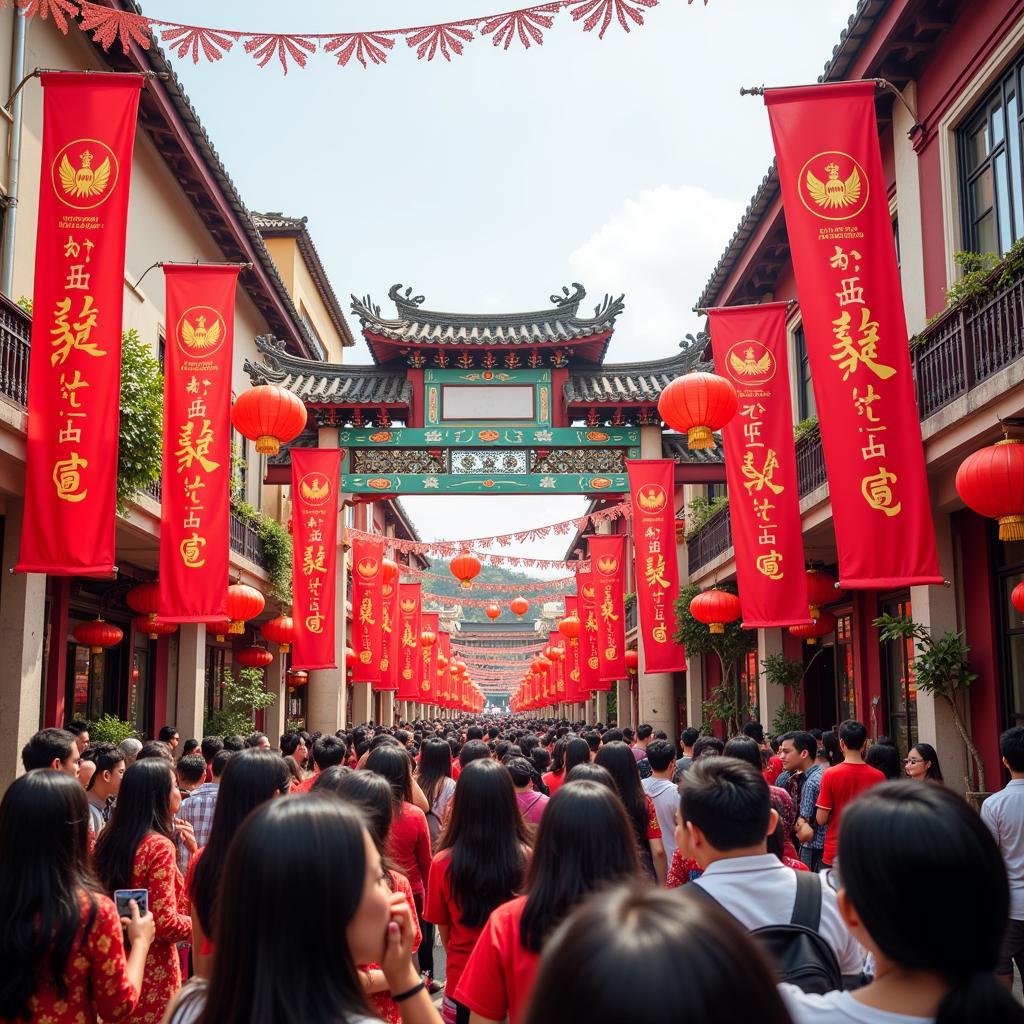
111, 729
240, 701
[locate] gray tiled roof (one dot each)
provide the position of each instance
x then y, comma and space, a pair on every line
328, 383
415, 325
673, 446
632, 382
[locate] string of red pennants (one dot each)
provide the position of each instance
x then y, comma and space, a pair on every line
524, 27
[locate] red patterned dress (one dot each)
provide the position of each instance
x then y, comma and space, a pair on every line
156, 869
95, 974
383, 1005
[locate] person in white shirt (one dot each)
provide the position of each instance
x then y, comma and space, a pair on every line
725, 817
1003, 812
664, 793
922, 887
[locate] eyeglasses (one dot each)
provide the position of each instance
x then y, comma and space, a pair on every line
913, 760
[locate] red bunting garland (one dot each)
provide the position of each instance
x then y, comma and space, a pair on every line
525, 26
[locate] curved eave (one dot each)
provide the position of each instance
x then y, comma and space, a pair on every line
386, 348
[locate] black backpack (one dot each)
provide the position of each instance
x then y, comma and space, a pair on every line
800, 955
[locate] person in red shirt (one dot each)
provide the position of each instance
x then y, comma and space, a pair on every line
64, 959
480, 864
774, 767
574, 751
843, 783
583, 842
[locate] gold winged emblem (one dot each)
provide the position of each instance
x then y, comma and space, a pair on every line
834, 194
652, 500
85, 181
315, 490
749, 365
199, 337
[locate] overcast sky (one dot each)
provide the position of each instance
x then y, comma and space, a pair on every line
488, 183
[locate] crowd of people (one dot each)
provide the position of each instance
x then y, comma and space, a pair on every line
568, 872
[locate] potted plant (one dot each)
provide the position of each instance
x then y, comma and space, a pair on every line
942, 668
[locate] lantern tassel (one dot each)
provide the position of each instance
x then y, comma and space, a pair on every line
699, 437
1011, 527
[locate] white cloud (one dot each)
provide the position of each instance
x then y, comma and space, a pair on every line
659, 249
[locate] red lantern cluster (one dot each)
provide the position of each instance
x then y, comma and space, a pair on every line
991, 482
269, 415
698, 404
715, 608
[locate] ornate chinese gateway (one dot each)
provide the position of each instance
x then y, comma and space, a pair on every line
459, 403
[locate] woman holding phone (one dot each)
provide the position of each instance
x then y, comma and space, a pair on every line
61, 944
136, 851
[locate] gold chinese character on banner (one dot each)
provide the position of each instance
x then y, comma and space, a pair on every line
770, 564
759, 479
191, 550
654, 571
850, 353
366, 612
68, 479
195, 449
69, 389
313, 560
315, 623
878, 493
77, 336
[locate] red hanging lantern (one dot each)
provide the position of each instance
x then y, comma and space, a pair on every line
715, 608
1017, 598
297, 677
570, 626
539, 665
280, 631
632, 661
698, 404
218, 628
520, 606
821, 590
427, 639
144, 599
244, 603
812, 632
152, 628
254, 657
465, 567
388, 570
269, 415
492, 611
98, 634
991, 482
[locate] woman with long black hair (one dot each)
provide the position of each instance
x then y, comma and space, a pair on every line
136, 851
435, 779
584, 841
250, 778
61, 945
679, 955
314, 852
620, 762
480, 864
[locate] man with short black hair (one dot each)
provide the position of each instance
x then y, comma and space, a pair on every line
664, 793
258, 741
79, 728
199, 807
52, 748
327, 752
473, 750
725, 814
234, 743
802, 780
169, 734
191, 771
842, 783
210, 747
1003, 813
593, 738
531, 803
475, 732
688, 737
756, 732
105, 783
643, 737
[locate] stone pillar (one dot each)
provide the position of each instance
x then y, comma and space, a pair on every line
600, 707
326, 698
624, 704
190, 700
770, 697
935, 608
22, 612
276, 716
387, 707
362, 703
694, 690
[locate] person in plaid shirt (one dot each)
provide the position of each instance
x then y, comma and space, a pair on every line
198, 808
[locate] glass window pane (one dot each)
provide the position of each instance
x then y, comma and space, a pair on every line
985, 234
1003, 203
976, 146
1016, 177
982, 193
996, 115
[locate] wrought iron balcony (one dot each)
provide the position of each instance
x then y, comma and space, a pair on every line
245, 540
15, 331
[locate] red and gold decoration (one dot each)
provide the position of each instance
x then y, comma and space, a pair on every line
698, 404
75, 356
813, 631
144, 600
195, 511
280, 631
315, 475
608, 558
410, 656
367, 609
98, 635
632, 661
524, 27
431, 648
1017, 597
154, 628
493, 611
218, 628
991, 483
652, 490
465, 567
715, 608
821, 590
571, 628
840, 234
244, 603
269, 415
520, 606
390, 637
254, 657
749, 344
590, 637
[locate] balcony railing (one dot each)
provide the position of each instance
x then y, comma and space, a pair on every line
15, 330
245, 540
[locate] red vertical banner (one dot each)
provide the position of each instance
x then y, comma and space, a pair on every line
573, 674
390, 637
195, 504
590, 639
651, 490
749, 344
443, 665
607, 566
410, 660
844, 257
367, 609
428, 689
77, 300
315, 476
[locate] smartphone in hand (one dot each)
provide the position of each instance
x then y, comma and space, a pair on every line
122, 896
